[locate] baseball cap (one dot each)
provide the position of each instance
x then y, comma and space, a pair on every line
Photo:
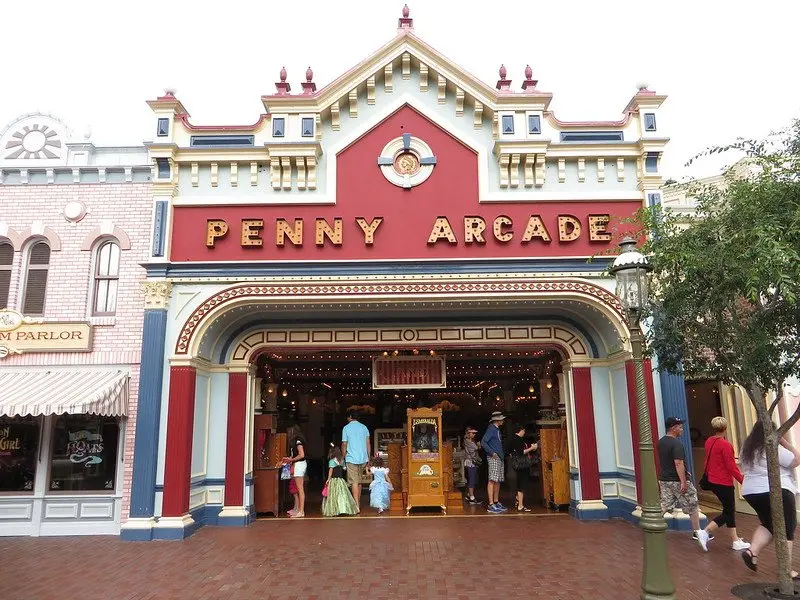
672, 421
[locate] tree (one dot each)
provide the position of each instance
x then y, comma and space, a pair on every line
725, 291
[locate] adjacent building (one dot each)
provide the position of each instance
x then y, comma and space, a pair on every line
74, 230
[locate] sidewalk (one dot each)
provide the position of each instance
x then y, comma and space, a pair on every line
503, 557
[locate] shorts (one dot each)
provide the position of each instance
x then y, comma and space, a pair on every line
760, 503
355, 473
300, 468
672, 498
472, 477
496, 469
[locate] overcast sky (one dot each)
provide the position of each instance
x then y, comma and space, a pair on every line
729, 68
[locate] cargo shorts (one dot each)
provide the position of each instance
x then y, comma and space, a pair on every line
672, 498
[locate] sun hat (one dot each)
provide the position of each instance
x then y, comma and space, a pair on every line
498, 416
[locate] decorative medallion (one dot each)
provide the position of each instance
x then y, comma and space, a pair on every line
33, 141
74, 211
406, 161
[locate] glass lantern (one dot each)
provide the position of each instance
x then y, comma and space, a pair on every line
630, 269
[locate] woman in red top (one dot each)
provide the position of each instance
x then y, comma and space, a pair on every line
721, 469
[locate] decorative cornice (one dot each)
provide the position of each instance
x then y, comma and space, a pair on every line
551, 287
156, 294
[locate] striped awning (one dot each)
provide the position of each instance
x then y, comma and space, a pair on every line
83, 391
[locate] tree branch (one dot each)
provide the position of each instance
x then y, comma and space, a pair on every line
786, 426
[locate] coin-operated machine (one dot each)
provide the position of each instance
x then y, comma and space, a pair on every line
425, 470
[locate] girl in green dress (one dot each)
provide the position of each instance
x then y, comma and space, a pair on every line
339, 500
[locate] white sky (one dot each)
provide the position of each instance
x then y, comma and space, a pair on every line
729, 68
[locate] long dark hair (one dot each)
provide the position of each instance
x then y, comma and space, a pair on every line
754, 444
295, 434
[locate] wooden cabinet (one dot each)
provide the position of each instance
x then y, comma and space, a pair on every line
426, 477
555, 464
269, 448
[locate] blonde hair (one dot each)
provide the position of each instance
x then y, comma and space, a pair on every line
719, 424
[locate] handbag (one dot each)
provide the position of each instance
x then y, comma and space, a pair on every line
286, 471
325, 490
704, 483
520, 461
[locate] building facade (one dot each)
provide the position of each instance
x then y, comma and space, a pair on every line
405, 208
74, 228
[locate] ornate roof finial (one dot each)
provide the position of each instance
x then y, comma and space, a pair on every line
503, 84
282, 86
643, 88
309, 87
405, 23
529, 82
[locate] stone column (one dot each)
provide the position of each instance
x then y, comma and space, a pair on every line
178, 461
234, 512
148, 412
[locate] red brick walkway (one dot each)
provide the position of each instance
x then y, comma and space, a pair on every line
502, 557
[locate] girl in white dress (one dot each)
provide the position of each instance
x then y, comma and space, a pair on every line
380, 487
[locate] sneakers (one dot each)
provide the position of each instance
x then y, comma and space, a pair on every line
492, 508
473, 501
694, 536
501, 507
702, 539
740, 544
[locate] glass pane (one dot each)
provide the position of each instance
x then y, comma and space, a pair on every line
35, 291
111, 298
40, 254
277, 127
5, 286
424, 436
6, 254
84, 455
19, 443
534, 124
103, 258
308, 127
113, 261
101, 296
508, 124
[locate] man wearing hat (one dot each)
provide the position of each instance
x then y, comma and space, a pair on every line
677, 489
492, 444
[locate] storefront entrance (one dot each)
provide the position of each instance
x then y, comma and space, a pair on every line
316, 389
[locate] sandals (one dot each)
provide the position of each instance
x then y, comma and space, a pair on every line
749, 560
523, 509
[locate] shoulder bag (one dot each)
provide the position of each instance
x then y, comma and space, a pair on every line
704, 483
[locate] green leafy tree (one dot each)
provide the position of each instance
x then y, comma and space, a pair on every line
726, 283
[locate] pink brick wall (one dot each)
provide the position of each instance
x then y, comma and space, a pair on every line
116, 340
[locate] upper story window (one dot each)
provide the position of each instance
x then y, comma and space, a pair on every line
591, 136
38, 265
220, 141
508, 123
534, 124
649, 122
6, 260
163, 169
308, 127
278, 127
162, 130
106, 279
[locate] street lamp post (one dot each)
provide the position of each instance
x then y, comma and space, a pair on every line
630, 269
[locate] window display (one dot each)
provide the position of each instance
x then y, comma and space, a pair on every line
84, 453
19, 441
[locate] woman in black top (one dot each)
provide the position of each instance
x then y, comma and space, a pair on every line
298, 460
521, 461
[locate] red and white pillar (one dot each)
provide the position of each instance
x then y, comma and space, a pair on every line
178, 459
589, 470
234, 511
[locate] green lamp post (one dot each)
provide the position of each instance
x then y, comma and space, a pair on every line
631, 269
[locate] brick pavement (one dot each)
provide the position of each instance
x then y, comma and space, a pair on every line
462, 558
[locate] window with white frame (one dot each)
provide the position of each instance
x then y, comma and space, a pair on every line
507, 123
106, 279
6, 261
307, 126
35, 289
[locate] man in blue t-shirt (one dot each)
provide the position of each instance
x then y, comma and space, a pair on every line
356, 449
492, 444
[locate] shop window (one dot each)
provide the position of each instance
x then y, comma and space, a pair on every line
534, 124
649, 121
19, 444
163, 128
84, 454
36, 279
6, 261
508, 123
308, 126
278, 127
106, 279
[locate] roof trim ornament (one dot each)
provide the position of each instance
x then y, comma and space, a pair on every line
405, 23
